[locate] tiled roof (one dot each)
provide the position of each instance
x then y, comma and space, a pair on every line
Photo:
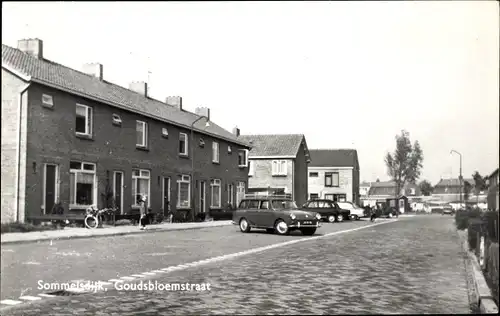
333, 157
61, 77
389, 188
273, 145
452, 182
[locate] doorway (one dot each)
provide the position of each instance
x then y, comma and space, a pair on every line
118, 190
203, 202
166, 195
50, 194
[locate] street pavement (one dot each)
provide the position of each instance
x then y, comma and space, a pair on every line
405, 266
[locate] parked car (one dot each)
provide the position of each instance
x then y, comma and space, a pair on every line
448, 210
329, 210
356, 211
385, 210
274, 214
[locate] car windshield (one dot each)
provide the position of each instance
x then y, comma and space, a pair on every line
345, 205
283, 204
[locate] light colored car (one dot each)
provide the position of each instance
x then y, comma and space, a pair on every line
356, 211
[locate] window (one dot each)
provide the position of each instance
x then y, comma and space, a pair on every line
412, 191
243, 204
264, 205
313, 174
230, 194
47, 100
141, 129
140, 186
183, 144
312, 205
243, 158
313, 196
331, 179
253, 204
215, 152
183, 191
116, 119
251, 168
83, 120
279, 168
83, 184
215, 193
329, 197
240, 192
164, 132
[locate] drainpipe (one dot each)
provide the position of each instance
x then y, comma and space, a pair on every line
18, 180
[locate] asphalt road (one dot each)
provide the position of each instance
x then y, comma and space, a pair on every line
413, 265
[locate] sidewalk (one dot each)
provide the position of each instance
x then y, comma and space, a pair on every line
73, 233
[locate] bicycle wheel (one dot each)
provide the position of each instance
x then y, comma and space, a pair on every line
91, 221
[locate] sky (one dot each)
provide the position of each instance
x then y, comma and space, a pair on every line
344, 74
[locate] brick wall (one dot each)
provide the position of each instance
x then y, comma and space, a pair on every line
52, 139
262, 177
13, 138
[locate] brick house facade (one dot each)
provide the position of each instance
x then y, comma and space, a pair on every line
78, 140
278, 164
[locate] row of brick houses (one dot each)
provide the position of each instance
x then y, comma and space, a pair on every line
70, 137
71, 140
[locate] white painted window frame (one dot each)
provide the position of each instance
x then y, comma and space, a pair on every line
183, 179
215, 152
89, 122
135, 179
144, 133
81, 170
215, 183
186, 142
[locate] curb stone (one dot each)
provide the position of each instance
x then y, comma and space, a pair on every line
111, 233
483, 296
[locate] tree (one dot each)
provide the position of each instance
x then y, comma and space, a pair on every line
480, 184
426, 188
405, 164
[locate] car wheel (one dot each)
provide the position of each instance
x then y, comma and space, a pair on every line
281, 227
354, 217
331, 218
308, 231
340, 218
390, 215
270, 230
244, 226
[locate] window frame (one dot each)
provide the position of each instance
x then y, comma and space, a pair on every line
330, 175
183, 179
186, 144
135, 181
144, 133
279, 168
251, 168
215, 152
215, 183
94, 188
89, 121
245, 158
313, 174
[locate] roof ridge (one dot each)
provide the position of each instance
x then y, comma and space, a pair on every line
332, 149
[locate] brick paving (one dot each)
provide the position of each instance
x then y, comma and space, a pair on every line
406, 267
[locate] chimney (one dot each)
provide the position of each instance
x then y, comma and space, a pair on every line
31, 46
93, 69
174, 101
140, 87
236, 131
203, 111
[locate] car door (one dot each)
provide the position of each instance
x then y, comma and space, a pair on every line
263, 215
252, 212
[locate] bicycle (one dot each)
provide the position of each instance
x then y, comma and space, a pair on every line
95, 217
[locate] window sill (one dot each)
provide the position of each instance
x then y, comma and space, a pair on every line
280, 175
141, 148
185, 156
84, 136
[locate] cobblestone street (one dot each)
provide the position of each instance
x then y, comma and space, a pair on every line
413, 265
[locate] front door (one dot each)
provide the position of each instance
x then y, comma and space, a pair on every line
118, 190
166, 195
50, 194
203, 201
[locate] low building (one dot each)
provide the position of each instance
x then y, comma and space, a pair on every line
448, 190
334, 174
278, 165
71, 140
381, 190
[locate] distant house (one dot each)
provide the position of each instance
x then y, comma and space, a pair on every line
334, 174
364, 189
381, 190
493, 195
278, 165
448, 190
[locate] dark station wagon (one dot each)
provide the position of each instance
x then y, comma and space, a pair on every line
274, 213
329, 210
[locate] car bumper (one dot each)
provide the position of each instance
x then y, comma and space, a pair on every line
300, 225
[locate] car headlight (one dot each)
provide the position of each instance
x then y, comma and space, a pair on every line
292, 216
318, 216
